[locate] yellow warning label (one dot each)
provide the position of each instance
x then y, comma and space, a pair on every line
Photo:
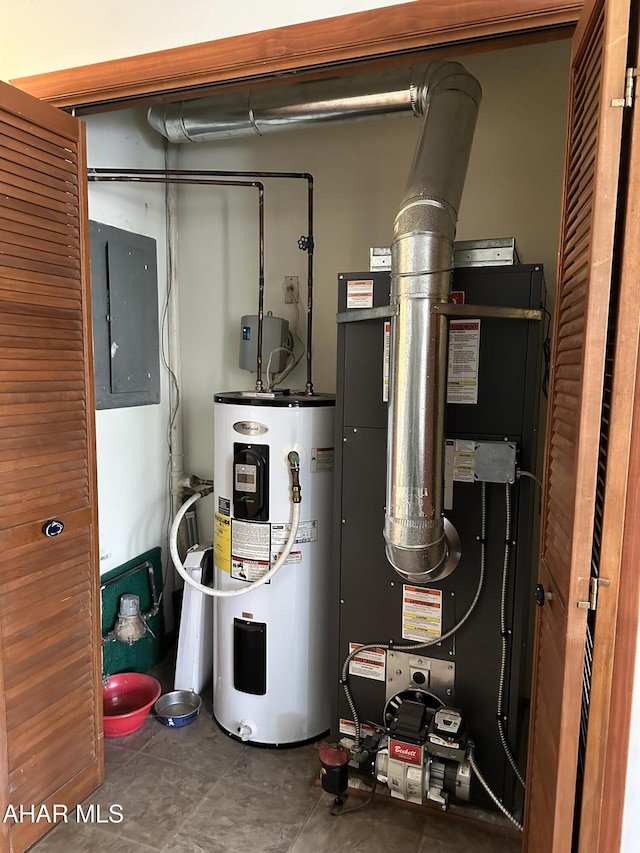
222, 542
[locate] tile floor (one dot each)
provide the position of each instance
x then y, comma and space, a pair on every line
194, 789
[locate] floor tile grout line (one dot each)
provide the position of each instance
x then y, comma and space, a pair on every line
205, 796
184, 766
115, 767
143, 845
306, 822
187, 818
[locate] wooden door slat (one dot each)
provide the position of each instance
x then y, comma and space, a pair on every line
573, 459
64, 149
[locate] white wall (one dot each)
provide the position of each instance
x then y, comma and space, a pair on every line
131, 442
38, 36
360, 170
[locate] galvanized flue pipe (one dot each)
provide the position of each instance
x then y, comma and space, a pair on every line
422, 264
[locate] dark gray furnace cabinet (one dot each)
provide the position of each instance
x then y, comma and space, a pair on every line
124, 298
500, 406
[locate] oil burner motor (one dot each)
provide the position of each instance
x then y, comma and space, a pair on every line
423, 755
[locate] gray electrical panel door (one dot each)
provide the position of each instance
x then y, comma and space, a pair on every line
496, 408
124, 293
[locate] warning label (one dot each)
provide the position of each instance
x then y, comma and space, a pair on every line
464, 351
369, 664
348, 727
321, 459
248, 570
464, 460
294, 557
421, 613
360, 294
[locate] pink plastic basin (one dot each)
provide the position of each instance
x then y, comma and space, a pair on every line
126, 700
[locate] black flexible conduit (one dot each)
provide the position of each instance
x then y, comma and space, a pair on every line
418, 646
505, 637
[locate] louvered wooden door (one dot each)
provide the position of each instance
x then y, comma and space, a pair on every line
50, 670
586, 270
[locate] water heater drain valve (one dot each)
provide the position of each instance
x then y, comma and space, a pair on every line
423, 756
246, 730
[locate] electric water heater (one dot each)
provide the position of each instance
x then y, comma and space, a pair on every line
271, 653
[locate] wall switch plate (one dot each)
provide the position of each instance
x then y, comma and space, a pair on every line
291, 289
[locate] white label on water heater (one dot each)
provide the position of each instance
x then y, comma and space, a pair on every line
464, 351
360, 294
421, 613
294, 557
307, 532
321, 459
368, 664
248, 570
250, 549
250, 539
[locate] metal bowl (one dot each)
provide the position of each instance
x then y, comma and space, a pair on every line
178, 708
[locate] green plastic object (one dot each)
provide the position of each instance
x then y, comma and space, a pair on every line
145, 653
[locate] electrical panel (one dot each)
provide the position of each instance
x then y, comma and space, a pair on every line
124, 298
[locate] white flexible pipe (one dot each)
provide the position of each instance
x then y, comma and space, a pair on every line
225, 593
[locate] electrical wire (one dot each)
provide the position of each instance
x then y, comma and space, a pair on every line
174, 387
337, 811
504, 635
418, 646
276, 379
530, 475
485, 785
282, 376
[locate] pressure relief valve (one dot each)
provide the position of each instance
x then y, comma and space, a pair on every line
294, 468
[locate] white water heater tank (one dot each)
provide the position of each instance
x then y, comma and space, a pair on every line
271, 670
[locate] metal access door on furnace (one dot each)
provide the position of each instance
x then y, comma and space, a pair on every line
502, 407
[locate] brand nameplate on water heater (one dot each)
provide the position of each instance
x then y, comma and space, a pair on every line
407, 752
250, 428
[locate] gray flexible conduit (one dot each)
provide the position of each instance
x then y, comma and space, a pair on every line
504, 638
485, 785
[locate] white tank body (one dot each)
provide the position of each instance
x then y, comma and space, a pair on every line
271, 671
